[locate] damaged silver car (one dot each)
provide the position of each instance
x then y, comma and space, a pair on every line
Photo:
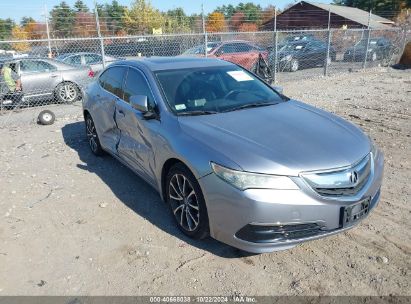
232, 156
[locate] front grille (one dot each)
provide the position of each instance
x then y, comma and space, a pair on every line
277, 233
346, 182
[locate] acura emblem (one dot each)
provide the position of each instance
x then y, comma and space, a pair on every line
353, 177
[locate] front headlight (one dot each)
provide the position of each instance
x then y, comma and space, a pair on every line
246, 180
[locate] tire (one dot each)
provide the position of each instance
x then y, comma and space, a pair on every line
187, 202
46, 117
294, 65
92, 137
67, 92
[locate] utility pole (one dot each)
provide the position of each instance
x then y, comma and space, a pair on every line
204, 30
327, 55
46, 16
368, 41
103, 56
274, 65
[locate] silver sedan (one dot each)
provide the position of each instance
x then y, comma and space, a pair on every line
232, 157
44, 79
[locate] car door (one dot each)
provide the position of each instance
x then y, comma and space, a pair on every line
312, 55
109, 91
38, 77
135, 145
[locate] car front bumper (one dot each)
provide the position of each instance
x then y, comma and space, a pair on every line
253, 220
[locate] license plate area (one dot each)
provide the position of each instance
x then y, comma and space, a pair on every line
354, 213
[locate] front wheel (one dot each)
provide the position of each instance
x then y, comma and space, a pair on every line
187, 203
67, 92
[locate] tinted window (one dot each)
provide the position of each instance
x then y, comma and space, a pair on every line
73, 60
229, 48
92, 58
243, 47
112, 80
213, 89
36, 66
136, 84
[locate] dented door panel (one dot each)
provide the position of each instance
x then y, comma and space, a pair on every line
134, 145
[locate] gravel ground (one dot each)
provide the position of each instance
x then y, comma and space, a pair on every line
74, 224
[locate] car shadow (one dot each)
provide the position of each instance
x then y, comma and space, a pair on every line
135, 193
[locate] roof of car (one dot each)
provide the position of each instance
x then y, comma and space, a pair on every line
172, 63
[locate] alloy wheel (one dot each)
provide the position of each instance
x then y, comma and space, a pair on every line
91, 134
184, 202
68, 92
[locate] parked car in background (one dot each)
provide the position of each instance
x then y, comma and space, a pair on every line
232, 157
47, 79
378, 49
93, 60
199, 49
241, 52
302, 54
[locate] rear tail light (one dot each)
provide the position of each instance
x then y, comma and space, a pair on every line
91, 73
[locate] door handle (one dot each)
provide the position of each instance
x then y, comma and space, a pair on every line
54, 75
121, 112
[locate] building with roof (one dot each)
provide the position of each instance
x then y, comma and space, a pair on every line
315, 15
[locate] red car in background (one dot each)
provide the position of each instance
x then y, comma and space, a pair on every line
241, 52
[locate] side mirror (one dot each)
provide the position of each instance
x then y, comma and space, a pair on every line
278, 89
139, 103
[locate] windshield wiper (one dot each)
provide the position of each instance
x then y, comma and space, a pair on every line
198, 112
252, 105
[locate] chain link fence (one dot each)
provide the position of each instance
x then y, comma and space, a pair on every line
45, 71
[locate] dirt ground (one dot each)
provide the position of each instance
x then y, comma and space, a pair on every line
74, 224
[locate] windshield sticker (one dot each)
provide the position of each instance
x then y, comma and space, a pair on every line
180, 107
240, 75
298, 47
199, 102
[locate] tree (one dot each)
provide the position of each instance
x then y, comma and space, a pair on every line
80, 6
248, 27
251, 11
6, 26
18, 33
215, 22
26, 20
177, 21
387, 8
237, 19
84, 25
227, 10
113, 17
142, 18
62, 20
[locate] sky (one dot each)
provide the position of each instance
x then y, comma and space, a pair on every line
16, 10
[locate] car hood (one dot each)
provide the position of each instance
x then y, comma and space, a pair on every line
284, 139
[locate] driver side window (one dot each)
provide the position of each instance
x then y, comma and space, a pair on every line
136, 84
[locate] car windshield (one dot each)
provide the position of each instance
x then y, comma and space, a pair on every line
295, 47
200, 49
214, 90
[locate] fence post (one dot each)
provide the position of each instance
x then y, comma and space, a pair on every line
46, 16
327, 55
274, 65
368, 41
103, 55
204, 30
